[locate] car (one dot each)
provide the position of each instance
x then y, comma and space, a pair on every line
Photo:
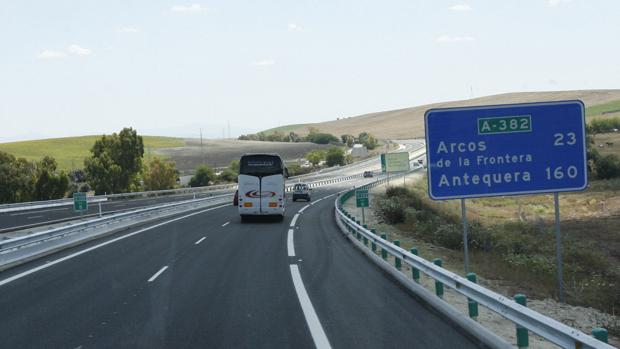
301, 191
368, 174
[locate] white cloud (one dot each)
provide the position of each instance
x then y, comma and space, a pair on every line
193, 8
128, 30
460, 7
264, 63
49, 54
292, 27
78, 50
556, 3
448, 38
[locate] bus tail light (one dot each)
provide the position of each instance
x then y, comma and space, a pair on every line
247, 204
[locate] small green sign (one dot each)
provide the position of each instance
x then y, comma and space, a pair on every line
383, 166
361, 198
507, 124
80, 203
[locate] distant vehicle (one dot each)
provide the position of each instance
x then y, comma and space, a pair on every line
301, 191
261, 185
236, 198
368, 174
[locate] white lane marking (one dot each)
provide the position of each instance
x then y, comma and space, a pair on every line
294, 220
163, 269
316, 330
199, 241
290, 243
31, 212
59, 260
33, 217
303, 208
225, 224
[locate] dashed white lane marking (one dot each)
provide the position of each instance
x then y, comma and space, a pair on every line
294, 220
290, 245
163, 269
33, 217
59, 260
225, 224
199, 241
316, 330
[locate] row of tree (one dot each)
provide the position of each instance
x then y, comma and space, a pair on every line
314, 136
115, 165
364, 138
332, 157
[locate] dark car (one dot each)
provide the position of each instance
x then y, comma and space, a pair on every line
301, 191
368, 174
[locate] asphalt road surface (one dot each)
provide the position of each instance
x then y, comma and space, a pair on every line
206, 280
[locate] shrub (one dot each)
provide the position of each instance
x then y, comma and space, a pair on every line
608, 167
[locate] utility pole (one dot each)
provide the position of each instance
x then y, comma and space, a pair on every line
228, 129
202, 153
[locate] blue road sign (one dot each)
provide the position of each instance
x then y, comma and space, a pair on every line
506, 149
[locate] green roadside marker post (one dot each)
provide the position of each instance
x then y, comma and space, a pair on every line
383, 251
361, 200
364, 238
600, 334
397, 262
415, 273
472, 305
80, 203
373, 245
438, 284
523, 340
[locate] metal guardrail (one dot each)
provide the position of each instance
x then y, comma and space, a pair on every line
32, 205
546, 327
19, 242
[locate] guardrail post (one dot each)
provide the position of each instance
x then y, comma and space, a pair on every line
600, 334
472, 305
523, 340
383, 251
438, 285
357, 232
364, 236
415, 273
397, 262
373, 245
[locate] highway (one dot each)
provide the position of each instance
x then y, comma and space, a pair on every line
37, 217
204, 279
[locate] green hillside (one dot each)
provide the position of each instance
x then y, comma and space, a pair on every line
71, 151
605, 108
284, 129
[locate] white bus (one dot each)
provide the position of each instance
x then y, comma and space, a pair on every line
261, 185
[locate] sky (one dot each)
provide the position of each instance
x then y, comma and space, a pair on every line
173, 68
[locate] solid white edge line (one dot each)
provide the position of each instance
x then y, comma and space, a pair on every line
316, 330
59, 260
294, 220
225, 224
290, 243
303, 208
163, 269
199, 241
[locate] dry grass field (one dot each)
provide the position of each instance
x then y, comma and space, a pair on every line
409, 122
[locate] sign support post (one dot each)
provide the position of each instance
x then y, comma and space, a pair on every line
558, 247
363, 216
465, 247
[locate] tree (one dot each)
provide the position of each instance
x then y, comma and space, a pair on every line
608, 167
368, 140
335, 156
203, 177
50, 183
228, 176
349, 140
315, 156
115, 162
294, 137
160, 174
17, 179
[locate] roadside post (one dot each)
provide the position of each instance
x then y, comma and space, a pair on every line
80, 203
361, 200
511, 149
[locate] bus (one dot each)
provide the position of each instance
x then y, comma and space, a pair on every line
261, 186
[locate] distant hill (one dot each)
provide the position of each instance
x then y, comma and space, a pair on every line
409, 122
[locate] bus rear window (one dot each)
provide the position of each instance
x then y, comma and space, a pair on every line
260, 165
